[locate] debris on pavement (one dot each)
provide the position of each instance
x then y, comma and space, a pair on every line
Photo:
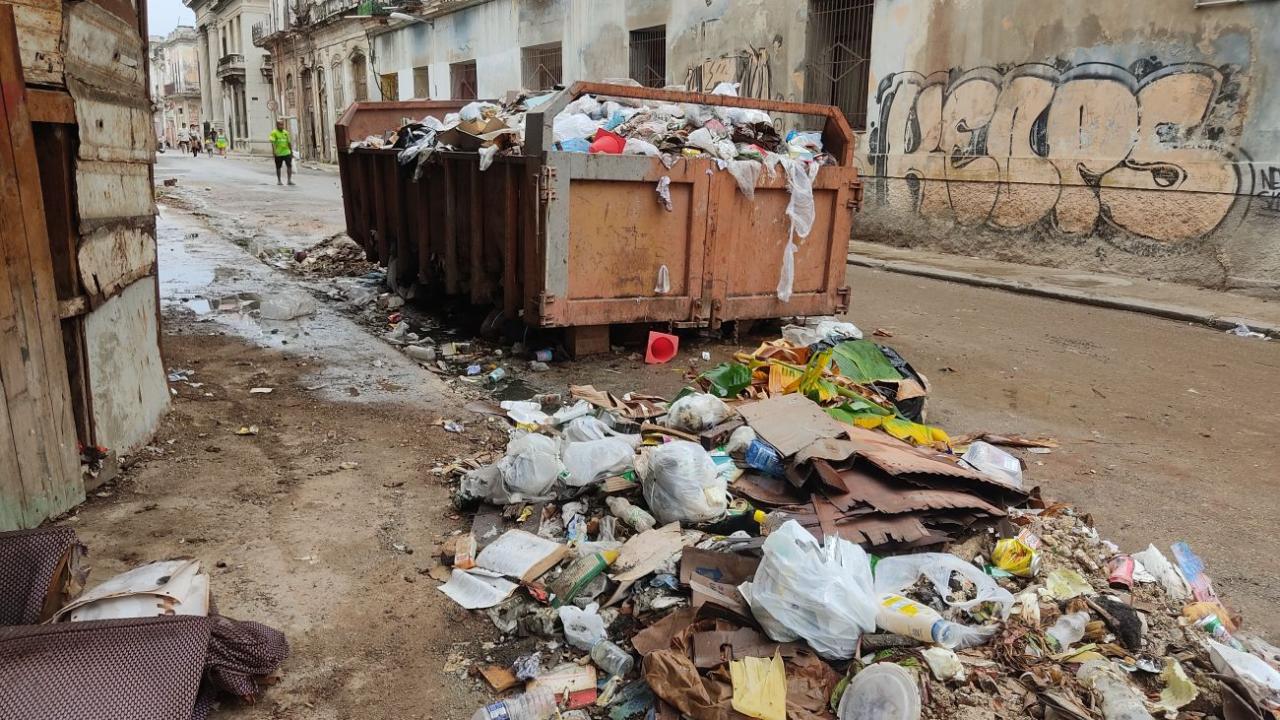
790, 537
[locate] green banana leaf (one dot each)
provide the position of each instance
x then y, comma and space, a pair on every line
862, 361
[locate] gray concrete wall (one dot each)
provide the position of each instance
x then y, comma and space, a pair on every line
759, 43
1140, 137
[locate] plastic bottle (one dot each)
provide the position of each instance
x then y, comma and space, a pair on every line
611, 658
762, 457
533, 705
904, 616
1120, 701
1069, 629
578, 574
740, 516
636, 517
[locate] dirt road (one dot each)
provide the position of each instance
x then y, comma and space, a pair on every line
1165, 433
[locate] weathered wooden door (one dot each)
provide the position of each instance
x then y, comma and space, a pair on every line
39, 463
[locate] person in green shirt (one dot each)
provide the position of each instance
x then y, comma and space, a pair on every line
282, 149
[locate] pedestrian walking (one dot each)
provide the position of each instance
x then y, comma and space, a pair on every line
184, 139
195, 141
221, 143
282, 149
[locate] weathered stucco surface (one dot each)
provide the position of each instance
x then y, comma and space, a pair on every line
1142, 136
130, 392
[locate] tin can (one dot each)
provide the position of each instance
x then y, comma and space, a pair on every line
543, 355
1120, 572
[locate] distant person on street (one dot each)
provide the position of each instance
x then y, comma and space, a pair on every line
194, 142
221, 143
184, 139
282, 149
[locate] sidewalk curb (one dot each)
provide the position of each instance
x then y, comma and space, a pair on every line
1167, 311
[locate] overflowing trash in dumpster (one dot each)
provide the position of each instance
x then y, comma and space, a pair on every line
790, 537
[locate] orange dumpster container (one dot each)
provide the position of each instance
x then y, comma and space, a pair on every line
567, 239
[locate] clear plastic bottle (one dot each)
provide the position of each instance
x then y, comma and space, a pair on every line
533, 705
904, 616
1120, 700
1069, 629
634, 516
611, 658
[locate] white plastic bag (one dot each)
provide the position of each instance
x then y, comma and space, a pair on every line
636, 146
696, 412
569, 126
1250, 669
680, 483
586, 105
895, 574
822, 593
527, 472
747, 174
525, 412
1158, 566
740, 440
592, 461
587, 428
703, 140
995, 463
487, 154
473, 111
583, 628
787, 276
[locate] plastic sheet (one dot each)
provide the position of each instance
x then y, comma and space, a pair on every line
747, 174
895, 574
569, 126
822, 593
592, 461
583, 628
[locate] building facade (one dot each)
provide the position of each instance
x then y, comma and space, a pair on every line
1140, 137
175, 83
235, 82
321, 63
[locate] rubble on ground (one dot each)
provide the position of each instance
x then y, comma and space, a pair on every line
790, 536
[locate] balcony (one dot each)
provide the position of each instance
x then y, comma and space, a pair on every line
180, 89
231, 65
322, 10
259, 31
268, 67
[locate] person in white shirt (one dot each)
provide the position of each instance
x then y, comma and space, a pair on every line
184, 139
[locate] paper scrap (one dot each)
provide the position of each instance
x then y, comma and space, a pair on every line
475, 591
521, 555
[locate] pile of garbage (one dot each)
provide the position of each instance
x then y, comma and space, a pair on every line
790, 538
744, 141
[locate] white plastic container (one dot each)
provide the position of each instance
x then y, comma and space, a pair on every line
533, 705
883, 691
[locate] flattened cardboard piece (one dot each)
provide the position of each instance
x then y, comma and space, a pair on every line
658, 635
632, 406
725, 597
500, 678
716, 647
889, 496
723, 567
488, 525
764, 490
576, 682
791, 422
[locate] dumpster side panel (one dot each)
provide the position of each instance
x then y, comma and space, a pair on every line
608, 235
749, 239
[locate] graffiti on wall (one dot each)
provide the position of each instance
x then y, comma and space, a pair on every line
1082, 147
1267, 191
749, 67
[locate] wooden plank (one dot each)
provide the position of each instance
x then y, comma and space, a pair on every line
114, 127
107, 192
40, 42
32, 363
51, 106
103, 50
114, 257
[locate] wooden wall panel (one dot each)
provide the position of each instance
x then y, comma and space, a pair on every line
41, 440
40, 40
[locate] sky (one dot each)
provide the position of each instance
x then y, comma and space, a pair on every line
164, 15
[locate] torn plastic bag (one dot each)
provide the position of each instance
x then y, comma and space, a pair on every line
696, 412
746, 173
582, 628
636, 146
594, 460
680, 483
896, 574
822, 593
474, 111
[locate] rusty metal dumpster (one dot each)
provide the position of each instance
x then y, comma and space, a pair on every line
568, 239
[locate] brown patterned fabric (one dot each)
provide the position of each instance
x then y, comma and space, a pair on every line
31, 561
141, 669
161, 668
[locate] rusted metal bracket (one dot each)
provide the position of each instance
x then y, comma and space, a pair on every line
842, 299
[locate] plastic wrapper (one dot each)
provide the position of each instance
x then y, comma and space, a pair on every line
474, 111
681, 484
585, 105
594, 460
746, 173
576, 126
696, 412
740, 440
587, 428
994, 463
584, 627
822, 593
895, 574
636, 146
